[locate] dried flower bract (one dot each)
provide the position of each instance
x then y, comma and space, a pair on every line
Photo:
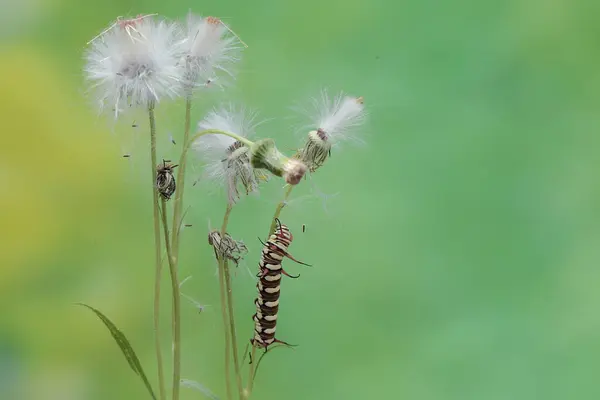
227, 247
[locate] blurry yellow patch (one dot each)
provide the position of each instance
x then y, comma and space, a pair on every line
54, 172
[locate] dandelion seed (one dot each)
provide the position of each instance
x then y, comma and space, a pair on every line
210, 47
172, 139
335, 120
200, 307
199, 387
227, 160
184, 281
126, 155
135, 63
133, 124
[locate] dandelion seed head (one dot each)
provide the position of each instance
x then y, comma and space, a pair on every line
135, 63
337, 117
335, 120
227, 160
210, 48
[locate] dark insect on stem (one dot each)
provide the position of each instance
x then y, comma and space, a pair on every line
165, 181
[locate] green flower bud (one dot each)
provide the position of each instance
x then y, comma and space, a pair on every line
264, 154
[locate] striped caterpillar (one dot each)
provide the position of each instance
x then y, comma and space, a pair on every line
267, 302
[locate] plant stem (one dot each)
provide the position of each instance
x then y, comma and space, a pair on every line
157, 253
225, 327
229, 291
176, 307
280, 206
241, 139
178, 201
250, 382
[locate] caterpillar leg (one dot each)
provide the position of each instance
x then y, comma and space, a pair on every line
291, 276
280, 342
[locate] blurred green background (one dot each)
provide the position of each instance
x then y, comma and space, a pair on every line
457, 260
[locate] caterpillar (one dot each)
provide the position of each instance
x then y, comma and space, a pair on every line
267, 302
165, 181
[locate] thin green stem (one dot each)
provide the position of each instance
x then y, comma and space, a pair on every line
250, 383
229, 290
280, 206
176, 307
157, 254
178, 201
225, 327
241, 139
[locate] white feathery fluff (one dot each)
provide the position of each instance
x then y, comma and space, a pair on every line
210, 47
227, 161
338, 116
135, 62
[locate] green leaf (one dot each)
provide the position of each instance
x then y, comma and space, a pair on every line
126, 348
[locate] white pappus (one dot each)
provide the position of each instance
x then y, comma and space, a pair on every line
227, 160
210, 47
333, 121
135, 62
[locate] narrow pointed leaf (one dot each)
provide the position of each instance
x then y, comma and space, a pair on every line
125, 347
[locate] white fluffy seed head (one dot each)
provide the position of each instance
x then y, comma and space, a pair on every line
337, 117
135, 63
210, 48
226, 160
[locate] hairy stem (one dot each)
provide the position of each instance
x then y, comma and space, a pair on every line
229, 290
157, 254
178, 201
176, 307
225, 327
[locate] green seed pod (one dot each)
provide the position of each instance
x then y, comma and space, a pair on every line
264, 154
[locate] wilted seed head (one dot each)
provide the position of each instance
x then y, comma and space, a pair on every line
265, 155
335, 120
135, 63
210, 47
226, 247
227, 160
165, 181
